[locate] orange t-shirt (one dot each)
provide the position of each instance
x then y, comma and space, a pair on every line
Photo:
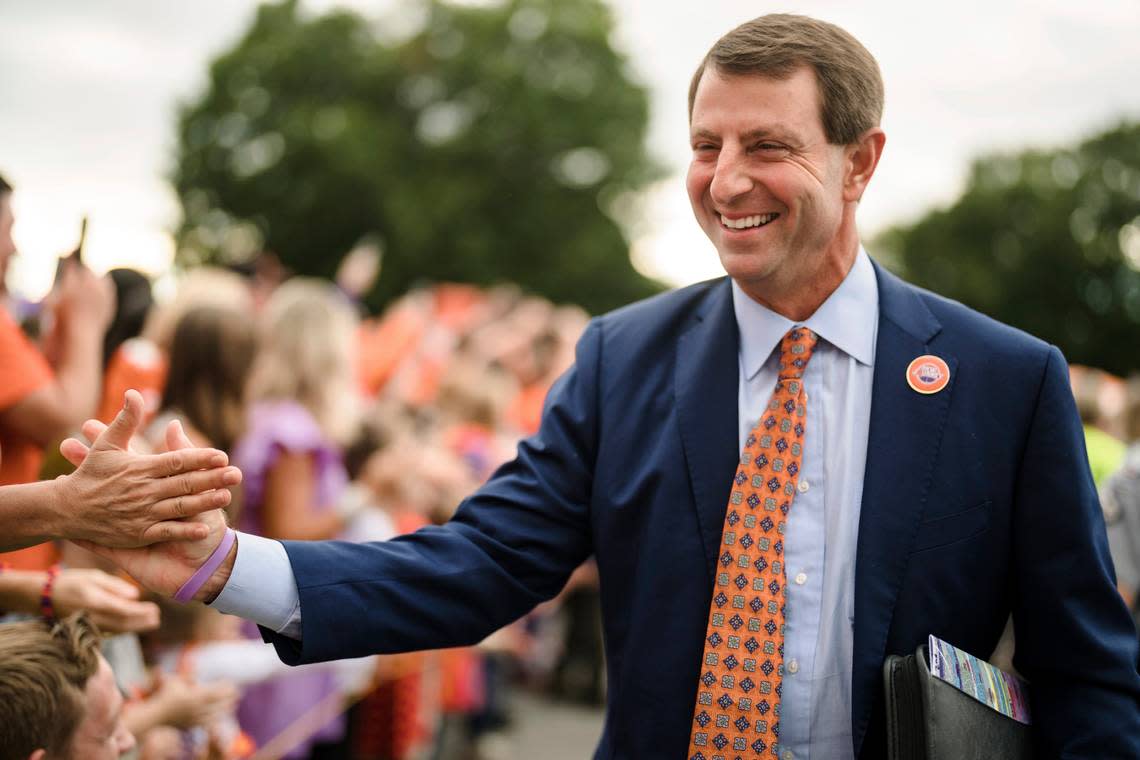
525, 410
137, 364
23, 370
383, 344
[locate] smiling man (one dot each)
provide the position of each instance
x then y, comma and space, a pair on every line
785, 475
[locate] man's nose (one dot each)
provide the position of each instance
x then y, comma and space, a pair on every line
731, 179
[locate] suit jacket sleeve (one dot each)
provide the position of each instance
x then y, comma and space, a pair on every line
1075, 641
510, 546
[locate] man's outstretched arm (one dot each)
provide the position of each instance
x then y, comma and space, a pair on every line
116, 497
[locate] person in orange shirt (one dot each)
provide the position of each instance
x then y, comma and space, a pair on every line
129, 361
40, 402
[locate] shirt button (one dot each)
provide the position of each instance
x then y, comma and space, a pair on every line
801, 579
793, 667
787, 755
803, 486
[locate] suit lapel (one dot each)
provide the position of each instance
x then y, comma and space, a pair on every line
904, 439
706, 377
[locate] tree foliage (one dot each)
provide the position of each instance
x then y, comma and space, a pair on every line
1045, 240
491, 144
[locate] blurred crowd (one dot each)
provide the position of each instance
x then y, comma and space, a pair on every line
1110, 412
344, 426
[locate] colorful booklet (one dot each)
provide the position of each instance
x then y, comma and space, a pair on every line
991, 686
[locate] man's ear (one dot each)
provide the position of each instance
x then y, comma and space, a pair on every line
862, 158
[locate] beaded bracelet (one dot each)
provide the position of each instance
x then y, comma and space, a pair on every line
47, 605
4, 566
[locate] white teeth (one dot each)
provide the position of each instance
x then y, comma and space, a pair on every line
757, 220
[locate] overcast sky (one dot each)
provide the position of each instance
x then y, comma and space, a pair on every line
88, 92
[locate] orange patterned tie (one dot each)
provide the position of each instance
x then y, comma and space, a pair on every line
738, 700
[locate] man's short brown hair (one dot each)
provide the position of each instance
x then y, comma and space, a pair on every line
43, 680
776, 45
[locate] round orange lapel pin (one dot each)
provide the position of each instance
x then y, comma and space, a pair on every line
928, 374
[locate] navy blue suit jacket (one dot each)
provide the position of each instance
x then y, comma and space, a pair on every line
977, 502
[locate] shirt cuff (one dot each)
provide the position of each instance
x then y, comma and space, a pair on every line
261, 587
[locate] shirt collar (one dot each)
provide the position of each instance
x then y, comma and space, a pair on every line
848, 319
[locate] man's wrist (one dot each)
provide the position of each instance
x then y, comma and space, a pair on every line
211, 588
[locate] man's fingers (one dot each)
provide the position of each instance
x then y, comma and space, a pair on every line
73, 450
172, 438
172, 530
185, 460
181, 440
118, 433
92, 429
176, 437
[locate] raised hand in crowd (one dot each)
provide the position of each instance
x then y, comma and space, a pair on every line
161, 743
78, 311
182, 703
111, 603
117, 497
83, 297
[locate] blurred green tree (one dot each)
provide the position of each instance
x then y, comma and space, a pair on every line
488, 144
1048, 241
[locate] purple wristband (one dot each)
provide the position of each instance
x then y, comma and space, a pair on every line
198, 579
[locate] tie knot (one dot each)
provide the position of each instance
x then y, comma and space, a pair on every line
795, 352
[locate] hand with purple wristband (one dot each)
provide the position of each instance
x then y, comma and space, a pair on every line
202, 574
183, 570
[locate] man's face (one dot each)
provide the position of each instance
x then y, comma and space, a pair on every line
102, 734
764, 183
7, 245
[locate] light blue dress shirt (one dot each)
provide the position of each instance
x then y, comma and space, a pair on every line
823, 524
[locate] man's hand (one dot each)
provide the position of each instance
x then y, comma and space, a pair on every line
165, 567
119, 498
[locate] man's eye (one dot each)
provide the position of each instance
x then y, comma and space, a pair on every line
768, 146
